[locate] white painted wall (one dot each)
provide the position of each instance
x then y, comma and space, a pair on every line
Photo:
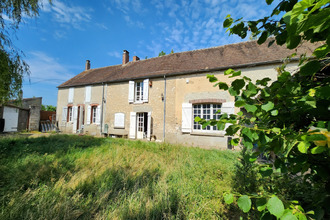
11, 118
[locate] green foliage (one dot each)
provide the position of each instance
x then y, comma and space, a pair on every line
82, 177
161, 53
12, 67
288, 120
48, 108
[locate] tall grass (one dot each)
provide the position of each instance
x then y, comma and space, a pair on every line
72, 177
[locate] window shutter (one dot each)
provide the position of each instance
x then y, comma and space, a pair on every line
132, 126
229, 108
131, 91
71, 94
145, 90
186, 117
88, 114
88, 93
98, 115
74, 118
149, 126
119, 120
65, 114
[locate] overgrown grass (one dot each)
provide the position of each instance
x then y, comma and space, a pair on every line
72, 177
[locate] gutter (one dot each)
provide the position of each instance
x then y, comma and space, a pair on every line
164, 108
101, 123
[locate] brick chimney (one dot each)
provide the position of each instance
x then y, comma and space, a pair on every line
125, 57
88, 65
136, 58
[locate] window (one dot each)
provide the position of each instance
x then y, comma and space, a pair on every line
69, 118
93, 115
138, 91
207, 112
71, 94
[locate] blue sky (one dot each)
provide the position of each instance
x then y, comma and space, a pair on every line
57, 43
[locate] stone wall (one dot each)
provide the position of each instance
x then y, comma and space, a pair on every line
34, 104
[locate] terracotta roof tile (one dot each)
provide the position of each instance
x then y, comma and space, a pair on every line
239, 54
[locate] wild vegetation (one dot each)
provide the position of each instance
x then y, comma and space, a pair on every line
81, 177
288, 120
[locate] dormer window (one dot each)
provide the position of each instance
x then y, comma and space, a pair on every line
138, 91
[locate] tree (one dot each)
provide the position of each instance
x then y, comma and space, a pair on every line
161, 53
48, 108
289, 118
12, 67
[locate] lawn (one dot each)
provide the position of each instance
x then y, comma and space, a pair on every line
81, 177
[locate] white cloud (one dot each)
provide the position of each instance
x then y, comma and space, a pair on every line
134, 23
114, 54
59, 34
45, 68
69, 15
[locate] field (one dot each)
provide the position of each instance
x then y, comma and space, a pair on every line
81, 177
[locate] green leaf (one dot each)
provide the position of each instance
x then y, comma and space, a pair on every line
206, 124
263, 37
319, 149
288, 215
237, 73
303, 146
197, 119
293, 41
232, 129
238, 84
275, 206
222, 85
229, 198
321, 51
310, 68
276, 130
269, 2
228, 22
211, 78
239, 103
251, 90
250, 108
263, 82
268, 106
244, 203
274, 112
316, 137
261, 204
229, 71
266, 171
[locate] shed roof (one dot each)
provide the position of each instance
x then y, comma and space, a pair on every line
203, 60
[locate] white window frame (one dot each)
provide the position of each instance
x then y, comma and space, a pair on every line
201, 110
138, 91
70, 114
94, 114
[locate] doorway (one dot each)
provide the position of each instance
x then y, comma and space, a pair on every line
142, 125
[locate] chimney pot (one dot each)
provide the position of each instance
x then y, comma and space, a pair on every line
136, 58
88, 64
125, 57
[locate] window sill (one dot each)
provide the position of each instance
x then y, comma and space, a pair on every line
214, 134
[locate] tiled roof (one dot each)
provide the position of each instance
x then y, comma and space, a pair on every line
215, 58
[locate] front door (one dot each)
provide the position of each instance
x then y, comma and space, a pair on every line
141, 125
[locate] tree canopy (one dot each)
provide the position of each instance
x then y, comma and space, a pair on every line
288, 119
12, 67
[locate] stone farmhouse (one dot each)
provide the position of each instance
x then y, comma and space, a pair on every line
157, 99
